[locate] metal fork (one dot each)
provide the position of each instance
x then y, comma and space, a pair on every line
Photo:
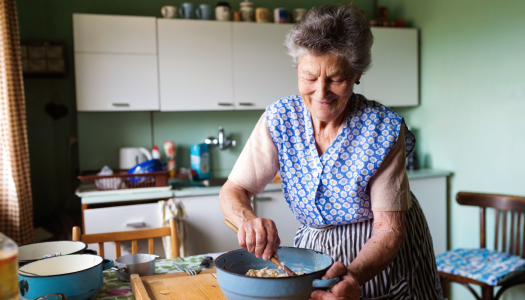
188, 270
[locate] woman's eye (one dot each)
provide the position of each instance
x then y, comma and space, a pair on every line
309, 79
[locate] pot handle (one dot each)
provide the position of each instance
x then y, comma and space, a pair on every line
107, 263
53, 296
328, 283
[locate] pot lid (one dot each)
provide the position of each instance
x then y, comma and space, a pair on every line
38, 250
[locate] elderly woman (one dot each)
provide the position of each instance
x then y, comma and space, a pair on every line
341, 159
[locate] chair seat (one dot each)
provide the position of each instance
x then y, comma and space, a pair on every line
488, 266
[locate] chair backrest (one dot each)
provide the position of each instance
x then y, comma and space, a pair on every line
133, 236
504, 205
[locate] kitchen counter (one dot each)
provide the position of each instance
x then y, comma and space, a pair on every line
91, 196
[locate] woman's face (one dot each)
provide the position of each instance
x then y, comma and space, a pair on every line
325, 84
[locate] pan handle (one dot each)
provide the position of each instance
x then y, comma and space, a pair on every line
324, 284
107, 263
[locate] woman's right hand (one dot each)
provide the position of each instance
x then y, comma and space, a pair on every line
259, 236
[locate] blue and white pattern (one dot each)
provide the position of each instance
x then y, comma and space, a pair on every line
332, 189
488, 266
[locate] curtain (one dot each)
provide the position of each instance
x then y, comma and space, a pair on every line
16, 205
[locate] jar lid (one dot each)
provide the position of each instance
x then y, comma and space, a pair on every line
246, 3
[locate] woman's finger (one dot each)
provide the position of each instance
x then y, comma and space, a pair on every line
260, 241
241, 237
349, 287
250, 239
270, 245
336, 270
322, 295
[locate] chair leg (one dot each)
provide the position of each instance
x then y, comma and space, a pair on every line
487, 293
444, 285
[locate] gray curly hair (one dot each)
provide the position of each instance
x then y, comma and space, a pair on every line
332, 29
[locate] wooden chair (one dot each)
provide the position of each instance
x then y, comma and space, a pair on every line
504, 205
133, 236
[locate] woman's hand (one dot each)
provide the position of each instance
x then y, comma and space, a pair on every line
259, 236
347, 289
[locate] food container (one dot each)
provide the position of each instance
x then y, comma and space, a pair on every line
232, 266
76, 276
142, 264
33, 252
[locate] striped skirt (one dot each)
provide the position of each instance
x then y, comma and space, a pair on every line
412, 274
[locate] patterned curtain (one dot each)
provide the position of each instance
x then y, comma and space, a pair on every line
16, 205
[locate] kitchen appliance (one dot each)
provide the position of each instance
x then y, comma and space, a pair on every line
232, 266
77, 276
142, 264
33, 252
132, 156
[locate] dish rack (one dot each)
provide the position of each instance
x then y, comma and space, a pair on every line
120, 179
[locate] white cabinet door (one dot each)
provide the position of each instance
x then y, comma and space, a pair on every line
262, 70
195, 65
116, 82
432, 196
205, 228
124, 218
114, 34
272, 205
393, 78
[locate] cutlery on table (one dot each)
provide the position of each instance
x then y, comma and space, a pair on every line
274, 259
206, 262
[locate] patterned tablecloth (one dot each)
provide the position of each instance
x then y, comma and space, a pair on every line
114, 289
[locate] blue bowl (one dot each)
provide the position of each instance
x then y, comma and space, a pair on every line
235, 285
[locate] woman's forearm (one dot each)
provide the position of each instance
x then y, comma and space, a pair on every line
381, 249
235, 203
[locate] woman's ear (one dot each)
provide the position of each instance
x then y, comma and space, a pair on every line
357, 78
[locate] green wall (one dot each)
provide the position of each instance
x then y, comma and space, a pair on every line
470, 120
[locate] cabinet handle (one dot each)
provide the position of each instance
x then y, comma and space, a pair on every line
246, 104
120, 104
136, 225
225, 104
263, 198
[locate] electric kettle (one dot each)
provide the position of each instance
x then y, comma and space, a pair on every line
132, 156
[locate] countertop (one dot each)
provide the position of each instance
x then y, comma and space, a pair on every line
89, 195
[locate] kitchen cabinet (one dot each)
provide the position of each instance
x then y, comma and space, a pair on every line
124, 218
114, 34
195, 65
262, 71
393, 79
98, 90
273, 205
431, 193
206, 232
115, 63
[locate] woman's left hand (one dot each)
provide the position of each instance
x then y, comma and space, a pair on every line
347, 289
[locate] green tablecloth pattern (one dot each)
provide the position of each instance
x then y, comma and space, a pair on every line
114, 289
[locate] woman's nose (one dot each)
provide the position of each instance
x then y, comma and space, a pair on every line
322, 89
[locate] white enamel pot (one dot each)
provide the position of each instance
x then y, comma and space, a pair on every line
33, 252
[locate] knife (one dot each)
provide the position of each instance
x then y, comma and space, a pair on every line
206, 262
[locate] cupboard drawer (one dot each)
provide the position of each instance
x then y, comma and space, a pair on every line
124, 218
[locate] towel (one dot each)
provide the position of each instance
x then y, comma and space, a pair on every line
173, 208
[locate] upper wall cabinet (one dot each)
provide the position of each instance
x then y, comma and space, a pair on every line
195, 65
262, 71
393, 79
115, 63
114, 34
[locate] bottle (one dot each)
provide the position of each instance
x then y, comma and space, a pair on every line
155, 154
8, 268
